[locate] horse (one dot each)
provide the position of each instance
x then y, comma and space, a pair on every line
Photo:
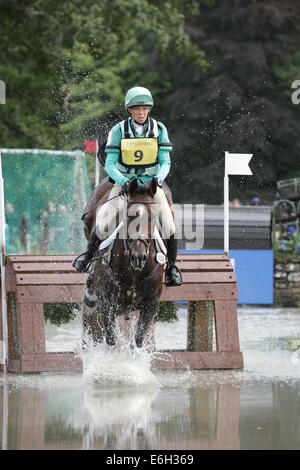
128, 274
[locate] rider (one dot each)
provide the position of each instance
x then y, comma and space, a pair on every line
126, 159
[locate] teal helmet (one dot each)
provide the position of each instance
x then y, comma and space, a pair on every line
138, 96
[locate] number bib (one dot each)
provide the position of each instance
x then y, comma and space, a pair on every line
139, 152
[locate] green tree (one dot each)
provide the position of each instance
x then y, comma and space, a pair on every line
68, 64
242, 103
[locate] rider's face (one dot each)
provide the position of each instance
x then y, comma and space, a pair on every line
139, 113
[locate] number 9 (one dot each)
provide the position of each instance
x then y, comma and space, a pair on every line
138, 155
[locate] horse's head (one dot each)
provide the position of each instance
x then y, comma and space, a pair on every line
140, 223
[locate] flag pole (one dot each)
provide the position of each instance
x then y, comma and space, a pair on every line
226, 211
235, 164
3, 277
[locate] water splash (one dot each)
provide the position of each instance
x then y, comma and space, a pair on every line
268, 339
122, 365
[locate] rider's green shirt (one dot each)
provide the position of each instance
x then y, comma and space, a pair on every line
120, 174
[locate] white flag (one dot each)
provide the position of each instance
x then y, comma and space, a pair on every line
237, 163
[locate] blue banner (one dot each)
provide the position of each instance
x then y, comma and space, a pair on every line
254, 274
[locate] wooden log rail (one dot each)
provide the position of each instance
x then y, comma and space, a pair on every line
209, 286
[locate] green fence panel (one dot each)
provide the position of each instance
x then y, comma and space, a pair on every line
45, 193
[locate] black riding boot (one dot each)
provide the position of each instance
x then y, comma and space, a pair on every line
173, 275
81, 263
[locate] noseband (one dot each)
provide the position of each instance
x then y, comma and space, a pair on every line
143, 238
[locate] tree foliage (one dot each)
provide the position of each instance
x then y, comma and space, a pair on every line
242, 103
220, 72
68, 64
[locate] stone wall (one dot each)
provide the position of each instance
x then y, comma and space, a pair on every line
287, 281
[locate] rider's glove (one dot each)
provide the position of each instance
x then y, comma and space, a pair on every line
125, 187
157, 182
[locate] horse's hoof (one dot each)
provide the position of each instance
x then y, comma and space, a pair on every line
110, 342
131, 349
89, 301
138, 342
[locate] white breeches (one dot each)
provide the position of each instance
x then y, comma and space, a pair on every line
107, 214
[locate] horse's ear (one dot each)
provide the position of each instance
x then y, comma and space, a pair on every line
133, 185
153, 185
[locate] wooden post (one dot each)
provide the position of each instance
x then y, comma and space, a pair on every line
227, 337
13, 337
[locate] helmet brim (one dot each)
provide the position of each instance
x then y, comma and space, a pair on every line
140, 103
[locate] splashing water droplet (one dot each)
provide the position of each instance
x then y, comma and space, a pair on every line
121, 365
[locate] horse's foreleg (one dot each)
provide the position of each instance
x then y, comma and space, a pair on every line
92, 326
147, 313
91, 320
109, 322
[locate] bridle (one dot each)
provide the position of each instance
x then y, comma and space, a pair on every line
128, 249
129, 243
132, 242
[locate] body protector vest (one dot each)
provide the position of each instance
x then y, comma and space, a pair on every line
138, 155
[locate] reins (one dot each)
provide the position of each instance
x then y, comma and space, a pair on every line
100, 204
121, 193
141, 202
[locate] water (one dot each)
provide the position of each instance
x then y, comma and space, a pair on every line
119, 403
